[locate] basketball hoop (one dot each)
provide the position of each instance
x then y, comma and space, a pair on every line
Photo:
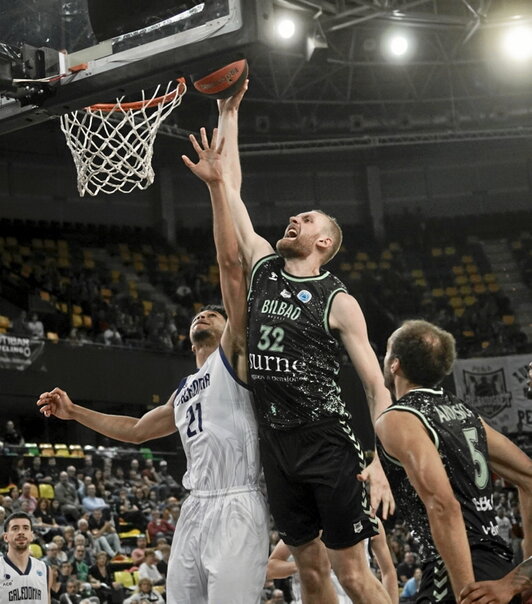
112, 143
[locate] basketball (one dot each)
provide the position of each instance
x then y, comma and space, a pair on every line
223, 82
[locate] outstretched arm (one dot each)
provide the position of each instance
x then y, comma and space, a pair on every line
508, 461
232, 278
252, 246
346, 317
404, 437
156, 423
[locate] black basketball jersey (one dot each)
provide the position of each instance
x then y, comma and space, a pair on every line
293, 356
460, 438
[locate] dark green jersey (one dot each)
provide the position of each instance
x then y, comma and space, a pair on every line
293, 356
458, 434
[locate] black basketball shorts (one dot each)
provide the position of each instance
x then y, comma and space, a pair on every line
311, 480
488, 564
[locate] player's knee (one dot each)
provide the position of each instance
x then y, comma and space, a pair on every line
313, 575
353, 581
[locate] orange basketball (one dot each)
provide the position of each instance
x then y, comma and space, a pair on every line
223, 82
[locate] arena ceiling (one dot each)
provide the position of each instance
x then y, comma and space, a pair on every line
456, 85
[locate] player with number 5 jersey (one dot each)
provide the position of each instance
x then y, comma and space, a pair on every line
439, 456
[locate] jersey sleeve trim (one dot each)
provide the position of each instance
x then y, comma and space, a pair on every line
327, 310
180, 387
231, 371
433, 435
258, 264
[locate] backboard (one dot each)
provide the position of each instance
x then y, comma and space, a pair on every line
175, 39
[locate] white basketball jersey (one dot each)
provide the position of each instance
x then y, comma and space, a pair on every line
29, 587
215, 419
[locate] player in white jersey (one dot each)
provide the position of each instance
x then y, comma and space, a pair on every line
281, 565
220, 545
23, 578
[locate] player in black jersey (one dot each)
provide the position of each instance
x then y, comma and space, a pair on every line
300, 319
439, 455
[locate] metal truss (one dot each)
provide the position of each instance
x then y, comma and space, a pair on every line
347, 89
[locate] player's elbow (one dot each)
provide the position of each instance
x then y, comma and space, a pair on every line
523, 480
443, 507
229, 260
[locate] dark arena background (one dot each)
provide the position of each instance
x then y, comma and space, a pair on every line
409, 121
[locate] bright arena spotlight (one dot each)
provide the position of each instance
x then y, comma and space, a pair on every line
517, 43
398, 45
286, 28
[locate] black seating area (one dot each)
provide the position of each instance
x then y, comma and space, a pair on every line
126, 286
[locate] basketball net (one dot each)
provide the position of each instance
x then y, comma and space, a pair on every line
112, 143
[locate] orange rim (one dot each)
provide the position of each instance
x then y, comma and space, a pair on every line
164, 98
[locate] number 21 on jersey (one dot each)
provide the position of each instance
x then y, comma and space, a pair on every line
195, 423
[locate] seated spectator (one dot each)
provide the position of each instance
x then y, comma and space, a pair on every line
89, 555
112, 337
167, 484
52, 555
84, 529
68, 535
35, 327
65, 573
91, 502
51, 471
104, 534
45, 524
101, 580
148, 569
80, 568
157, 527
411, 587
71, 594
88, 469
56, 587
35, 473
137, 555
11, 436
57, 514
65, 493
406, 568
164, 555
149, 474
82, 489
28, 497
145, 594
130, 513
7, 504
19, 325
142, 499
62, 554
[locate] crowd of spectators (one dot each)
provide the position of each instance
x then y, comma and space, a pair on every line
105, 527
111, 312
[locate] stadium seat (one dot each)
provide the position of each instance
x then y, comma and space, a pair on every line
36, 550
61, 450
46, 449
46, 491
125, 578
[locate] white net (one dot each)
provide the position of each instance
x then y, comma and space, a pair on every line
112, 144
